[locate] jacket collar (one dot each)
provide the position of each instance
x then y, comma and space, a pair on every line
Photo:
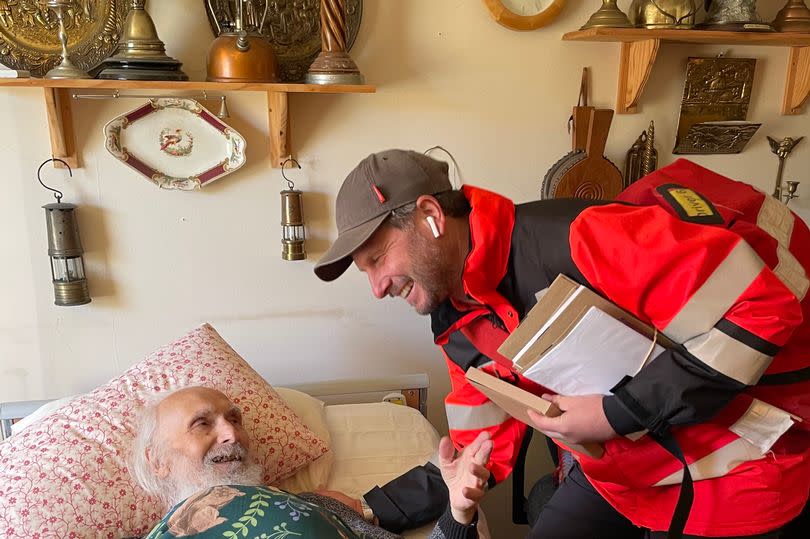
491, 221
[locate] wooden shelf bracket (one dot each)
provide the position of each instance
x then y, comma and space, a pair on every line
277, 107
60, 126
635, 64
797, 82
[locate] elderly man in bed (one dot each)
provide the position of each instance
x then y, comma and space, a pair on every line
194, 453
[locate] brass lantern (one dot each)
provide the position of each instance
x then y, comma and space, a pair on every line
293, 235
65, 249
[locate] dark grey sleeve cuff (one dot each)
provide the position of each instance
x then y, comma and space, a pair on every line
619, 417
455, 530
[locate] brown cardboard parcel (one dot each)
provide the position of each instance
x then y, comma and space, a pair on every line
516, 401
548, 308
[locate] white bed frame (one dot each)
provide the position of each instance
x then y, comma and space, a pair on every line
410, 388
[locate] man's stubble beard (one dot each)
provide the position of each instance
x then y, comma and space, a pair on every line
431, 271
188, 478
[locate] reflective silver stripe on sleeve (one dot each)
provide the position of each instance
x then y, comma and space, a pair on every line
717, 463
729, 356
460, 417
791, 273
716, 296
776, 219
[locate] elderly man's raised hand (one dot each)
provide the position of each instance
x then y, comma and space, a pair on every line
465, 475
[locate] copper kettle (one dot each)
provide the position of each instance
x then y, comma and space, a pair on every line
242, 56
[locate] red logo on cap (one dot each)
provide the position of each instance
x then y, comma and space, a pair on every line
379, 194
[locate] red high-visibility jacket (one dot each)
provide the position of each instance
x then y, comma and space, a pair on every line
728, 288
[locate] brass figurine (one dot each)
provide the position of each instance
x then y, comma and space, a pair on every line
678, 14
782, 150
141, 54
65, 69
794, 17
609, 15
735, 15
333, 65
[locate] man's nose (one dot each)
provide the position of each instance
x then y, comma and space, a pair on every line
226, 432
379, 285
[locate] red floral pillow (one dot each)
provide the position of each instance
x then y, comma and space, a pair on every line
66, 474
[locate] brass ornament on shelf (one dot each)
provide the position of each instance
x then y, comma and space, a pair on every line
141, 55
734, 15
65, 68
793, 17
715, 106
29, 41
291, 26
333, 65
782, 149
609, 16
652, 14
642, 157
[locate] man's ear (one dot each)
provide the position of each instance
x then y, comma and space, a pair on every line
428, 206
160, 469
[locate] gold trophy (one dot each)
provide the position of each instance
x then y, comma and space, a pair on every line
65, 69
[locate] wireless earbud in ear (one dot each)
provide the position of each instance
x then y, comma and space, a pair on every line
432, 224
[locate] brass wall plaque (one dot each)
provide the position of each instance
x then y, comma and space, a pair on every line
715, 105
28, 33
292, 26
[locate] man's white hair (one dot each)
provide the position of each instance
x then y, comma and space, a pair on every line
146, 439
186, 478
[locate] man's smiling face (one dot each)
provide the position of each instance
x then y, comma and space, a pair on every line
405, 263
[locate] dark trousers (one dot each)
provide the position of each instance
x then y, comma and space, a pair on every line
577, 511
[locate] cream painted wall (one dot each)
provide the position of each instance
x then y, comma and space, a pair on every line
160, 263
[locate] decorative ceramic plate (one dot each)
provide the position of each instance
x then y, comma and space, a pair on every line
176, 143
292, 26
28, 33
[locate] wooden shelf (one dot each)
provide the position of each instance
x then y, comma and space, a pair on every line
639, 48
60, 117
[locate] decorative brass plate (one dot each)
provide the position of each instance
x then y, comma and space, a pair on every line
715, 106
28, 33
292, 26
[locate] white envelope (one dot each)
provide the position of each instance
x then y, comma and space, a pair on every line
595, 355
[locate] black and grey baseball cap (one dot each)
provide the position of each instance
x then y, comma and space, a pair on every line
382, 182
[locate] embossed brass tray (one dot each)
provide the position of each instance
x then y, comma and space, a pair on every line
28, 34
292, 26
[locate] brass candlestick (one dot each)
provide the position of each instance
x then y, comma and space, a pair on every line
782, 150
65, 69
141, 54
794, 17
333, 65
609, 15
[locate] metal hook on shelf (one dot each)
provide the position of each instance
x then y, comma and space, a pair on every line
56, 192
290, 183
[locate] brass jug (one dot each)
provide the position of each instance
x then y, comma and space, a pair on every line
662, 13
242, 56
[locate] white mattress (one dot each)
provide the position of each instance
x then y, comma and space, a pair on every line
375, 443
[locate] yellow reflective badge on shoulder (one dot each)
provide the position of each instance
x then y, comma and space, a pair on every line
690, 205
